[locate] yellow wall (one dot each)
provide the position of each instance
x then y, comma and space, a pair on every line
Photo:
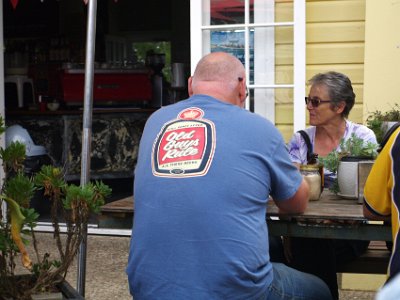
335, 42
335, 35
382, 55
357, 37
284, 69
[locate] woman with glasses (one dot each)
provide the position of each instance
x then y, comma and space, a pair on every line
329, 103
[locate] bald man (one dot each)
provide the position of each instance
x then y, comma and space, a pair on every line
205, 171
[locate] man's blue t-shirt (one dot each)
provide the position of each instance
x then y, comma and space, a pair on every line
204, 174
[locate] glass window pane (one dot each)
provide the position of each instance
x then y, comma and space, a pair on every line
284, 55
230, 41
263, 56
279, 96
272, 55
281, 99
271, 50
268, 11
262, 102
226, 12
138, 51
262, 11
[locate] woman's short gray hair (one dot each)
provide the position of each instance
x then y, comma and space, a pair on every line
339, 89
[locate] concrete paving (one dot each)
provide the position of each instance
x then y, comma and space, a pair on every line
105, 273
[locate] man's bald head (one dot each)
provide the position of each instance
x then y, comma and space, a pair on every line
217, 74
218, 66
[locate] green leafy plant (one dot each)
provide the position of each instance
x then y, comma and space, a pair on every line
376, 120
70, 204
20, 188
355, 147
393, 114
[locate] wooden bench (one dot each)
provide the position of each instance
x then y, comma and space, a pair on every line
374, 261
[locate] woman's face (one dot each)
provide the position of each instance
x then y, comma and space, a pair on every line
322, 114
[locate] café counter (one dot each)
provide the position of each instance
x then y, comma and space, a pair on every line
116, 133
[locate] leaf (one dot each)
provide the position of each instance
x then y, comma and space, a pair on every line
375, 120
13, 156
20, 188
331, 161
354, 146
17, 190
17, 221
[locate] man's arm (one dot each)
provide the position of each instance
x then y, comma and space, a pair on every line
374, 217
377, 191
298, 202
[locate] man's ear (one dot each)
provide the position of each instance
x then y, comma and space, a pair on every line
244, 91
241, 88
190, 90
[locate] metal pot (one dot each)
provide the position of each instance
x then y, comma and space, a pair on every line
351, 174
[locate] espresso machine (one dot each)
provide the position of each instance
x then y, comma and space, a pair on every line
156, 62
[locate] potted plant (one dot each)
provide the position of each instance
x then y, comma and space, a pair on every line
344, 163
380, 122
70, 204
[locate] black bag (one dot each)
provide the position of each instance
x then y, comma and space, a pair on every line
311, 156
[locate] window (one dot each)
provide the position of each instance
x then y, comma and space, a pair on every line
269, 38
125, 51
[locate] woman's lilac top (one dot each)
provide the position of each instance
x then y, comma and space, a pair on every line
298, 148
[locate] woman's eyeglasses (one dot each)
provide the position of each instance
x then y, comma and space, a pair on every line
315, 102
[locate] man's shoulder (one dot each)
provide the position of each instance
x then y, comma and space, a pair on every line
394, 141
256, 118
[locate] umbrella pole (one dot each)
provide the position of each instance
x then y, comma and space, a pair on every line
3, 207
87, 131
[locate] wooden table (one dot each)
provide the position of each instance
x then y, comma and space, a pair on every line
329, 217
117, 214
346, 221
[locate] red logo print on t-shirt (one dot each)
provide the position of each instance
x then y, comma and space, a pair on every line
185, 146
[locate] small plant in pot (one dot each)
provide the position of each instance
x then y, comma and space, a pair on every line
23, 274
344, 163
380, 122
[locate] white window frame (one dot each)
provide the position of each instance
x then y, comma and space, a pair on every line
200, 47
